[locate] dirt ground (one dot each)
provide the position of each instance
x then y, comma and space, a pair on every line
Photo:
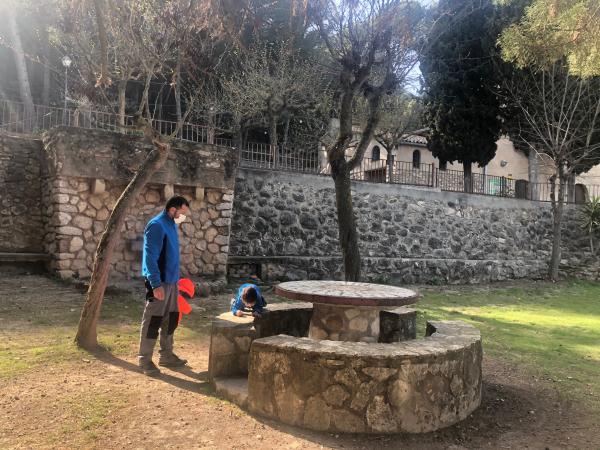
102, 401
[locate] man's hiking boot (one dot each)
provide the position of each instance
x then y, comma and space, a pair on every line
150, 369
171, 360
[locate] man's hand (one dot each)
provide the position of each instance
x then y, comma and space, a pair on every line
239, 313
158, 293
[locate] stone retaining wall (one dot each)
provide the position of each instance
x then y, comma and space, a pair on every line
85, 171
285, 227
414, 386
20, 193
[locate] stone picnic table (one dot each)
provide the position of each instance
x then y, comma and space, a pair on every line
346, 311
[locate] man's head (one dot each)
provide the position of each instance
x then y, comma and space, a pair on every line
249, 297
177, 207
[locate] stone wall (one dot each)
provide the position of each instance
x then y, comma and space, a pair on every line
85, 171
414, 386
21, 222
284, 227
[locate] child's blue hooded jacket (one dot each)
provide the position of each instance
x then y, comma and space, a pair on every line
238, 304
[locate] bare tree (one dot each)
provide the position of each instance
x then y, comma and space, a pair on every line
557, 115
272, 85
372, 42
400, 114
86, 332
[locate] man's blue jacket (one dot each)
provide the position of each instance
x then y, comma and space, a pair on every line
160, 260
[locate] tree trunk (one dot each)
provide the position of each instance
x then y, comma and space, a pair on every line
22, 75
286, 131
103, 79
178, 87
557, 213
468, 176
144, 104
86, 332
122, 90
273, 138
46, 62
533, 187
211, 127
346, 223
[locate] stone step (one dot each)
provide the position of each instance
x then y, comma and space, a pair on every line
234, 389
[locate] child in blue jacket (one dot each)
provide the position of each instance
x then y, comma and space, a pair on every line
248, 297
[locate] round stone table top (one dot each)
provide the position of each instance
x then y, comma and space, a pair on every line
346, 293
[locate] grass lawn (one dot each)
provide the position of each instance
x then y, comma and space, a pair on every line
549, 333
551, 329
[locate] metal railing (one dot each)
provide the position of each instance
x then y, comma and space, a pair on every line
16, 117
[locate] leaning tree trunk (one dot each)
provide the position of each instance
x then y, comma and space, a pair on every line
86, 332
557, 215
348, 236
22, 75
468, 176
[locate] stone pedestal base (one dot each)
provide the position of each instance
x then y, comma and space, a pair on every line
344, 323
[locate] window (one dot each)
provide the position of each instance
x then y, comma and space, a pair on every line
375, 154
416, 159
443, 165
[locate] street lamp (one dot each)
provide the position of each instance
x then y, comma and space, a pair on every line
66, 62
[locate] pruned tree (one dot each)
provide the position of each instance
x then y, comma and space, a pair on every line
556, 45
401, 113
123, 41
87, 329
558, 116
372, 43
272, 86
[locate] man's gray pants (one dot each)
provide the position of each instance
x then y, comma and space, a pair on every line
160, 317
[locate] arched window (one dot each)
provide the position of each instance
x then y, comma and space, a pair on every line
416, 159
376, 154
443, 165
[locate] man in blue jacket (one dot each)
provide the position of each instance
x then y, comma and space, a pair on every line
160, 269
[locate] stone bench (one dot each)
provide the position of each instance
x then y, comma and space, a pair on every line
232, 336
411, 386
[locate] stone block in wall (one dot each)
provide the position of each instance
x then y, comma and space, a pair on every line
98, 186
168, 191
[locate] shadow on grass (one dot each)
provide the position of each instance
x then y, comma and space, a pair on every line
198, 384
